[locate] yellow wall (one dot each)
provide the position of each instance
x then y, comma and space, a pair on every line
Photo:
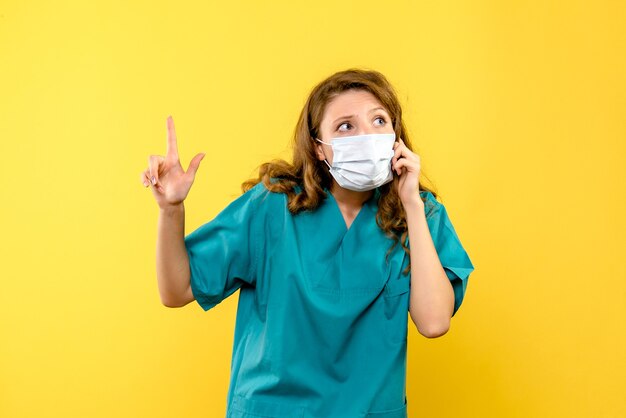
518, 111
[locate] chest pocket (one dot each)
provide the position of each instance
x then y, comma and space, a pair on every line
397, 298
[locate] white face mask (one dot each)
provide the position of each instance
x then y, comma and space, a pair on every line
362, 162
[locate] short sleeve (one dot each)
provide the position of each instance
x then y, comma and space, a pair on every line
222, 252
453, 257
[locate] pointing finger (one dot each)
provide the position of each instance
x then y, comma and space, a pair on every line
172, 146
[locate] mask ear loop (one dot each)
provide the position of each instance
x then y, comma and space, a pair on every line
325, 160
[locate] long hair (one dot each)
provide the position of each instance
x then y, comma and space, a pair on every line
311, 175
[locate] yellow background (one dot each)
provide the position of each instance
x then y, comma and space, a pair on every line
517, 109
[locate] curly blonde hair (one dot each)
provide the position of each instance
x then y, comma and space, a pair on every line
311, 175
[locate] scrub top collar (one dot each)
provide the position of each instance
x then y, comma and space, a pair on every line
371, 203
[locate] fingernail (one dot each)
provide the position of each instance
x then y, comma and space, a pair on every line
145, 183
153, 180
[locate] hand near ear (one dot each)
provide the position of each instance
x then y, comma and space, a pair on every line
406, 164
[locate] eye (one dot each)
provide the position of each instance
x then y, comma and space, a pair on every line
345, 123
383, 120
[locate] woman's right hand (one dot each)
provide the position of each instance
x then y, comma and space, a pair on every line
170, 183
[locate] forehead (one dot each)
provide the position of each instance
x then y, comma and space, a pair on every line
351, 101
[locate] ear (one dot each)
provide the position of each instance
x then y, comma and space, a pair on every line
319, 151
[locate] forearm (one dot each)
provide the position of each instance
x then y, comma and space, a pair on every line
172, 262
432, 295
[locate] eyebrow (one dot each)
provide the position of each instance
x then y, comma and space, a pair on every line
349, 116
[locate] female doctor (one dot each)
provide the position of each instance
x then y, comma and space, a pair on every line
329, 253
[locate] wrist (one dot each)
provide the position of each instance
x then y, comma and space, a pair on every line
413, 204
172, 209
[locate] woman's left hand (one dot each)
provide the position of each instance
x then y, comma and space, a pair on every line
407, 165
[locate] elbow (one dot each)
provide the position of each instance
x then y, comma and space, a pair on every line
177, 300
433, 330
170, 302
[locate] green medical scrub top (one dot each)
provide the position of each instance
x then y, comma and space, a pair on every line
321, 326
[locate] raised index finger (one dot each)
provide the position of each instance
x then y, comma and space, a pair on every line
172, 147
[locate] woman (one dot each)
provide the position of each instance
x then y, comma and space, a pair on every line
319, 249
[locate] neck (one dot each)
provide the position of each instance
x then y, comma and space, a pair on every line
349, 197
